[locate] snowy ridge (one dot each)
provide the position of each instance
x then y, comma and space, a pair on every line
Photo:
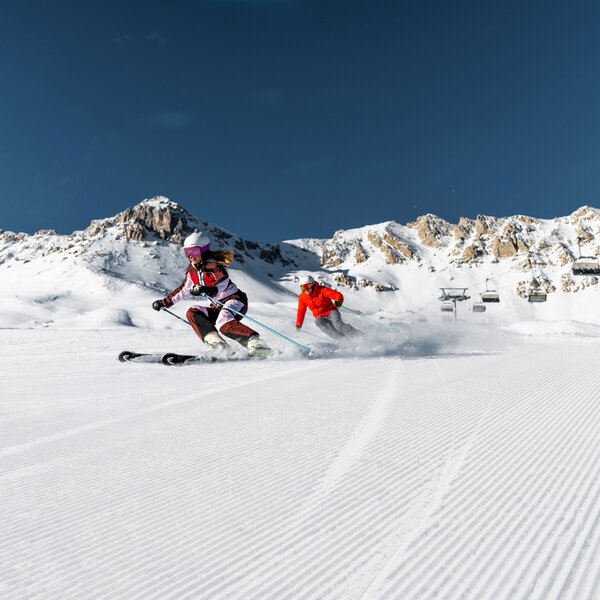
108, 274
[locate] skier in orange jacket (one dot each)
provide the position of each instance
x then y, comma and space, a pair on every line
323, 303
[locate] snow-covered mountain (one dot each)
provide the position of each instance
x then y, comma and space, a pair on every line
107, 274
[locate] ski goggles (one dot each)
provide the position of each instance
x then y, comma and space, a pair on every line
306, 287
195, 251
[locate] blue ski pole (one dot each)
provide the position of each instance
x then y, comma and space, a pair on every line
174, 315
218, 303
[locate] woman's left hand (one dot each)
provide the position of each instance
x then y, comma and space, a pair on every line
199, 290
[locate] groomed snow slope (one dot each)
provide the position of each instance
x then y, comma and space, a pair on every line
446, 476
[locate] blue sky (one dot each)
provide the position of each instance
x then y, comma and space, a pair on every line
279, 119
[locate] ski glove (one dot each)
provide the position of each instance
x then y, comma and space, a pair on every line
336, 303
198, 290
158, 304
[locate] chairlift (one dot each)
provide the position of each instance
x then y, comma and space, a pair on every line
536, 293
449, 298
489, 295
585, 265
479, 307
537, 296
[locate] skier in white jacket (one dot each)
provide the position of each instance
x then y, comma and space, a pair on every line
207, 274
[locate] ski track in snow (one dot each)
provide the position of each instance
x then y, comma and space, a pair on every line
355, 446
442, 477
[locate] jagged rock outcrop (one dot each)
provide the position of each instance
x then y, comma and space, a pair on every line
335, 252
398, 245
10, 237
432, 230
485, 225
165, 219
156, 218
569, 284
471, 253
565, 256
504, 247
330, 257
349, 281
584, 235
345, 280
530, 220
359, 253
585, 213
364, 283
394, 250
463, 230
391, 257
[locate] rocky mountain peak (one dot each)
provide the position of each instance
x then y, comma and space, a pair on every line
586, 213
154, 218
431, 230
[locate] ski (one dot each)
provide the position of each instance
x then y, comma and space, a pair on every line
141, 357
172, 359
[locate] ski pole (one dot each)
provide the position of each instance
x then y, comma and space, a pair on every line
217, 302
174, 315
304, 332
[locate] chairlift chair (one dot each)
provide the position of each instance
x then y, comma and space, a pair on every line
537, 296
586, 265
449, 298
489, 295
479, 307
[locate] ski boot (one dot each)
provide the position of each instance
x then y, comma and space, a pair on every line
257, 347
216, 344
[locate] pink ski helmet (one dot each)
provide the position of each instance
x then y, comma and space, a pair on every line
195, 245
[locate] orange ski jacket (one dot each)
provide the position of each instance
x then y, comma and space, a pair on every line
319, 302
